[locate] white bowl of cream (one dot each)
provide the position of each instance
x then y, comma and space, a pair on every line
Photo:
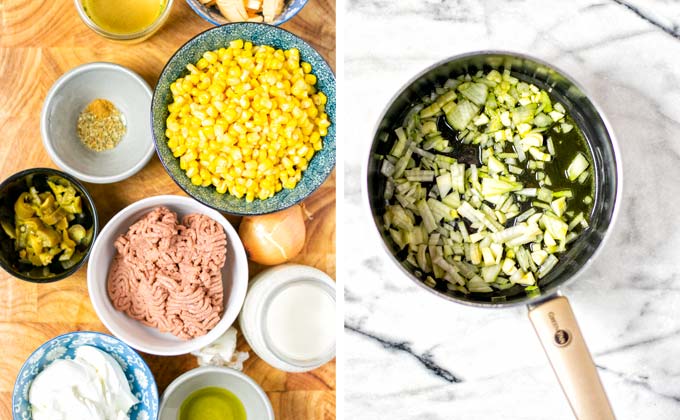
288, 317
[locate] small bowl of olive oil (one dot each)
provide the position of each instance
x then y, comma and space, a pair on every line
215, 393
124, 20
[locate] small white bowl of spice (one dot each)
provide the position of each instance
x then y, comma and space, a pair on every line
96, 123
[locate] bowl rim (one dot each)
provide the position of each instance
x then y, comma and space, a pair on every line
548, 293
95, 224
139, 35
194, 344
200, 12
75, 333
46, 136
220, 370
156, 141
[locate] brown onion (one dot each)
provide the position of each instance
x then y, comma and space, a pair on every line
274, 238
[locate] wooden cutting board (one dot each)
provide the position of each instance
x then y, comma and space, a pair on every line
39, 41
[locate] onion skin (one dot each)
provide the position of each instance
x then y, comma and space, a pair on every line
274, 238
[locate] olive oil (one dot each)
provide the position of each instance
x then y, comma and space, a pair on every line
212, 403
567, 145
124, 17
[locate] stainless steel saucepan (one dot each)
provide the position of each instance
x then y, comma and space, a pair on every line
549, 312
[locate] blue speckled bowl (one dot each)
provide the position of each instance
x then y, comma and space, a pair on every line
212, 15
321, 164
137, 372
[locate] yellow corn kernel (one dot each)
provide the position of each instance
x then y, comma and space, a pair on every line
173, 125
311, 79
204, 98
202, 63
221, 188
211, 111
320, 99
289, 184
210, 57
302, 151
306, 103
219, 105
308, 128
236, 155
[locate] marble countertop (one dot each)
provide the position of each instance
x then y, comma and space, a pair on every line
411, 355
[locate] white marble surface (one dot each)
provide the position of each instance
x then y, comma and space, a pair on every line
411, 355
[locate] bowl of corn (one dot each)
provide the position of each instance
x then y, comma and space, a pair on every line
243, 118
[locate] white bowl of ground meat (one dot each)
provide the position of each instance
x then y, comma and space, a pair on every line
167, 275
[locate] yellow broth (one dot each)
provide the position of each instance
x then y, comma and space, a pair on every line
124, 17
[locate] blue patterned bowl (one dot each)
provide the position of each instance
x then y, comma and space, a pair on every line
137, 372
212, 15
320, 166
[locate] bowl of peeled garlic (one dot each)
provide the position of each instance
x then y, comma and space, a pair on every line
273, 12
243, 118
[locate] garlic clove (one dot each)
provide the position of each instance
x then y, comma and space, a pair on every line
271, 9
233, 10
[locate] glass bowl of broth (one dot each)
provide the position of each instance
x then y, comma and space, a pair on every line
124, 20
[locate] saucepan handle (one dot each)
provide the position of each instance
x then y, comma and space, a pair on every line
563, 343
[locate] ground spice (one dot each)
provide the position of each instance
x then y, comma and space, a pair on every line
101, 126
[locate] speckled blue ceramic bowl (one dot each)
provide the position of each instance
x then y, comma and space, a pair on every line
319, 167
212, 15
136, 371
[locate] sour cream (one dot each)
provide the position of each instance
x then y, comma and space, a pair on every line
92, 386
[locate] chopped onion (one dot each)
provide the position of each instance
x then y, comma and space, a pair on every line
467, 224
577, 166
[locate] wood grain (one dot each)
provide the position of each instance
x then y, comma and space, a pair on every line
39, 41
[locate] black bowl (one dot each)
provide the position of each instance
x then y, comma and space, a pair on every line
10, 189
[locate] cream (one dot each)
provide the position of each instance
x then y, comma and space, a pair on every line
288, 317
92, 386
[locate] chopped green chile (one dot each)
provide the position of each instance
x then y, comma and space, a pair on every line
40, 228
495, 219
